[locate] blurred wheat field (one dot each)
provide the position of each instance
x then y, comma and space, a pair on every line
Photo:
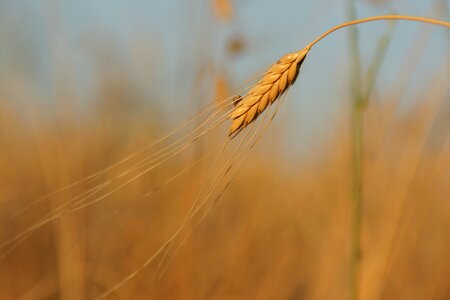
281, 229
277, 233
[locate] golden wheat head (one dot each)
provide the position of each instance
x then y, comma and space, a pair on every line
273, 84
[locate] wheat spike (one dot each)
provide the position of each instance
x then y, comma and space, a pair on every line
273, 84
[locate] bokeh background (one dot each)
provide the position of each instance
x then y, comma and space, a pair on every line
85, 83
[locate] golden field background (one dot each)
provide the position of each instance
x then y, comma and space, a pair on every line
282, 229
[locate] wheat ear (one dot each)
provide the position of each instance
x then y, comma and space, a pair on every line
285, 71
273, 84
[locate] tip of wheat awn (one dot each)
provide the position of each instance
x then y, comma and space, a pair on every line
274, 83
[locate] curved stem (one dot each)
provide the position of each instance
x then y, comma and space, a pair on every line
378, 18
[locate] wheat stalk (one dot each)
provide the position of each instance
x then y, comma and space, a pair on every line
285, 71
273, 84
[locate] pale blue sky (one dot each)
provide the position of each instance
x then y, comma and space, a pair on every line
169, 34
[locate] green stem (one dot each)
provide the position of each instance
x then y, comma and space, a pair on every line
354, 53
357, 129
357, 121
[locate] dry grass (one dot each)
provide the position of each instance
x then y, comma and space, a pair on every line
280, 233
